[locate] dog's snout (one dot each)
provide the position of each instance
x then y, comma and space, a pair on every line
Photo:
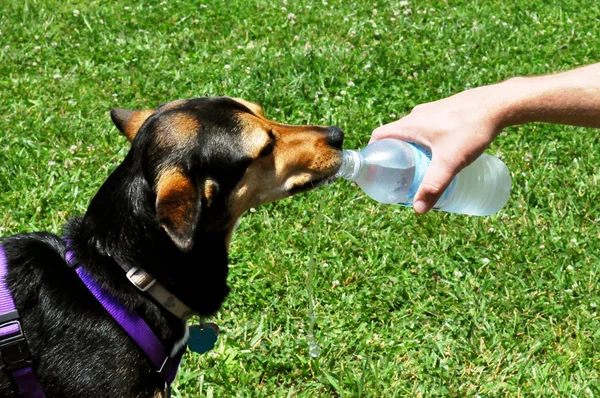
335, 137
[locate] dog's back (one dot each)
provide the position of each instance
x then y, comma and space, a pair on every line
76, 349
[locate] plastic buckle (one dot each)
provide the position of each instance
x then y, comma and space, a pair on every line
131, 275
14, 350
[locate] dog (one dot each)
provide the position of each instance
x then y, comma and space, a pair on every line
168, 209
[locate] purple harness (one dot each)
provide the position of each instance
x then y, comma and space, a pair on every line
15, 351
13, 346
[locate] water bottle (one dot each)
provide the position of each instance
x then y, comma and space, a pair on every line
391, 171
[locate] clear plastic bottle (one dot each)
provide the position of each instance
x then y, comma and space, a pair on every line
391, 171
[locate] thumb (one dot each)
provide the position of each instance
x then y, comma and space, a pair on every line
436, 180
397, 129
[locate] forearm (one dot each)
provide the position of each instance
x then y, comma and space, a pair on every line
459, 128
571, 97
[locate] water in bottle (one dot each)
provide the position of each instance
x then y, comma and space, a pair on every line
391, 171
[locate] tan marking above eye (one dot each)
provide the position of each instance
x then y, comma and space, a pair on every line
254, 136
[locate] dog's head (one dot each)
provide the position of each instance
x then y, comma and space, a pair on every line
210, 159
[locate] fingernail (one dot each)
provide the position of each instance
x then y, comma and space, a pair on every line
420, 207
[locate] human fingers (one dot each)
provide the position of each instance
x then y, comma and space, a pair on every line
437, 179
398, 129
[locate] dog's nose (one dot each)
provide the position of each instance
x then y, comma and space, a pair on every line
335, 137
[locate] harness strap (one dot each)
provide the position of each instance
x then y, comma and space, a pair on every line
133, 325
14, 349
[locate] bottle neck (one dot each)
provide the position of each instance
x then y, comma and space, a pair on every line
351, 163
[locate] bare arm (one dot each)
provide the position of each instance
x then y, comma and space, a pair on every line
571, 97
459, 128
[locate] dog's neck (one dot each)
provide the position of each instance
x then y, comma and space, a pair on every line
119, 225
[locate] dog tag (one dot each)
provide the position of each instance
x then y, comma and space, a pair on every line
202, 337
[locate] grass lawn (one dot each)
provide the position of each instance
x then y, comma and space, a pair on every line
406, 305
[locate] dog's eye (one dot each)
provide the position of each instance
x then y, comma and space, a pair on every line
268, 149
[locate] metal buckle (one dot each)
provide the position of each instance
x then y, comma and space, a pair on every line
14, 350
162, 367
143, 287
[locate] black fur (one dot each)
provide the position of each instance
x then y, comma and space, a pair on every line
77, 348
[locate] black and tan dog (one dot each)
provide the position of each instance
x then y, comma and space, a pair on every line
169, 208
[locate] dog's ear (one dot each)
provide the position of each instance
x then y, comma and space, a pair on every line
129, 122
178, 207
179, 203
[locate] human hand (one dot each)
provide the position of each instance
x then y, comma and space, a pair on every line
456, 129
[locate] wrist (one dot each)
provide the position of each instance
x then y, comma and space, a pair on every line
513, 97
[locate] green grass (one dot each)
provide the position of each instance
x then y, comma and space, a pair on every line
436, 305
